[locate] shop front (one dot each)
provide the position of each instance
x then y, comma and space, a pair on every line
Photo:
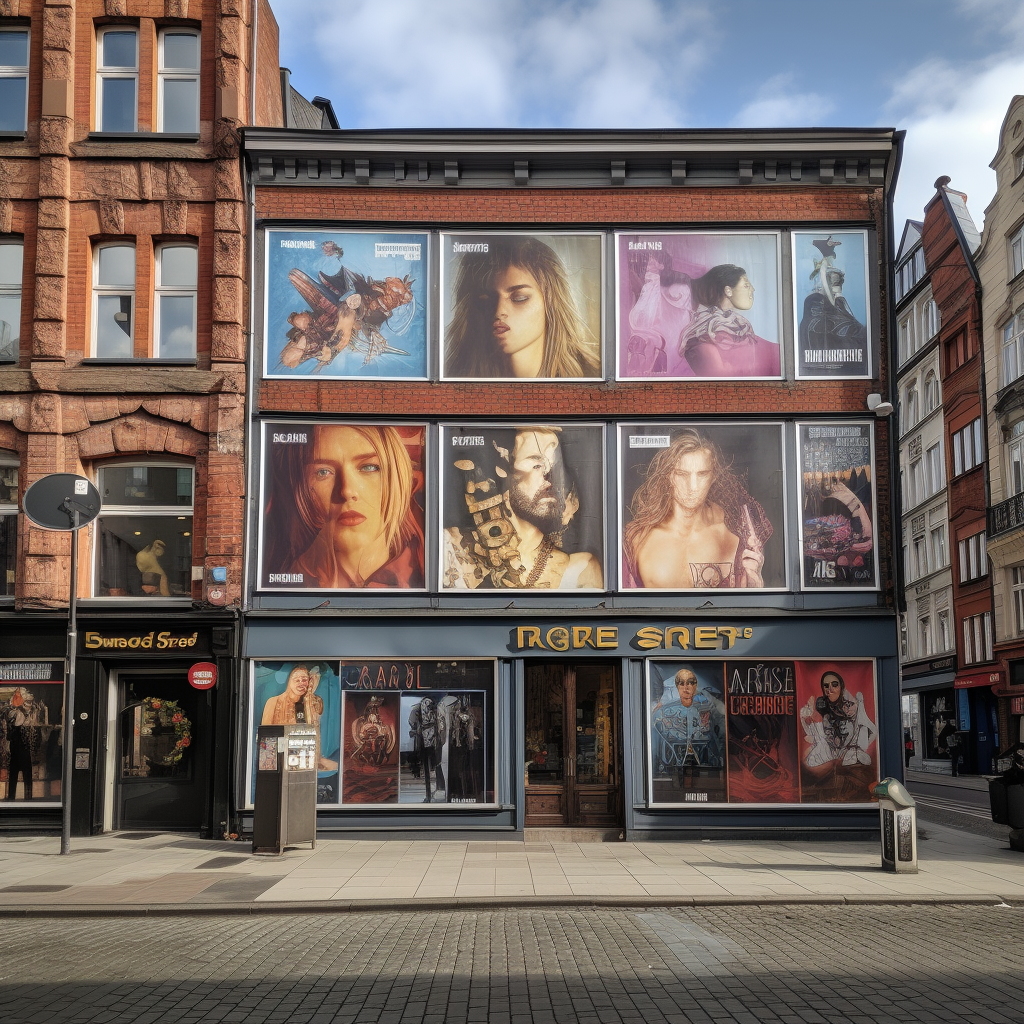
638, 726
927, 693
152, 724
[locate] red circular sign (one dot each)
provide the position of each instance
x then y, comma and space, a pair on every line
203, 675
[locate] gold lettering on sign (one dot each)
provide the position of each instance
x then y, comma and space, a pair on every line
646, 638
163, 641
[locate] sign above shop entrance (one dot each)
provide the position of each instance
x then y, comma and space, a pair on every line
981, 679
647, 638
203, 675
145, 641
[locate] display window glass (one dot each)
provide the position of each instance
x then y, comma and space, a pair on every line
522, 305
702, 506
837, 502
700, 304
522, 507
346, 304
343, 506
31, 724
768, 732
390, 733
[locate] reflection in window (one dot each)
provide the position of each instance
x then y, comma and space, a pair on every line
156, 740
117, 80
113, 301
176, 275
13, 79
11, 253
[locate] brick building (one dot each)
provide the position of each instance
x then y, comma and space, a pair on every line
123, 301
571, 466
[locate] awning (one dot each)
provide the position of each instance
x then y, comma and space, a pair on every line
980, 679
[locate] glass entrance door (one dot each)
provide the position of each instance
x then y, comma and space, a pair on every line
573, 771
163, 754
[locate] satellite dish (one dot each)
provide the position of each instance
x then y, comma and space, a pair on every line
51, 502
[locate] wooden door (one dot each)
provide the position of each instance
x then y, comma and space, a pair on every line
573, 773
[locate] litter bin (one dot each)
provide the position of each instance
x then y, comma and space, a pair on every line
898, 811
1006, 793
285, 807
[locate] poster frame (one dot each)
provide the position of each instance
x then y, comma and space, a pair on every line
442, 428
396, 808
266, 424
782, 530
502, 230
779, 299
428, 300
798, 425
795, 234
699, 806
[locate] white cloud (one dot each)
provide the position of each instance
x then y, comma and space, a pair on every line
449, 63
952, 117
779, 104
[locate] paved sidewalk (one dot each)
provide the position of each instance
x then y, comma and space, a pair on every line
163, 873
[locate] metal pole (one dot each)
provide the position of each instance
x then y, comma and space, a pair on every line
69, 694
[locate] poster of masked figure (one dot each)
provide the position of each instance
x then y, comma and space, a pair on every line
830, 285
343, 506
703, 506
686, 723
522, 507
698, 304
302, 692
345, 304
521, 305
837, 710
837, 527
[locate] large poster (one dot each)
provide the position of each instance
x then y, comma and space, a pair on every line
522, 507
343, 506
702, 506
837, 527
345, 304
521, 305
769, 732
698, 304
31, 716
830, 285
302, 692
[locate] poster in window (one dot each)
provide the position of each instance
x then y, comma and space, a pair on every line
830, 285
521, 305
698, 304
343, 506
837, 527
687, 732
31, 717
702, 506
839, 755
775, 732
346, 304
302, 692
522, 507
418, 732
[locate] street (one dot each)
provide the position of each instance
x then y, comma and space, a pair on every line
727, 963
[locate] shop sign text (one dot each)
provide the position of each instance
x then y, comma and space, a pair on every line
151, 641
648, 638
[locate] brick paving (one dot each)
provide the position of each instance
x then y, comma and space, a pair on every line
793, 965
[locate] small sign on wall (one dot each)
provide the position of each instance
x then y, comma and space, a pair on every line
203, 675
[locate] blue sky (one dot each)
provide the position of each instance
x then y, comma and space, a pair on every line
944, 70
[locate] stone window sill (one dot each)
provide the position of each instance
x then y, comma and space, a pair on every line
143, 137
102, 361
13, 136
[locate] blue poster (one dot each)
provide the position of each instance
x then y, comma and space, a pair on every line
346, 304
830, 275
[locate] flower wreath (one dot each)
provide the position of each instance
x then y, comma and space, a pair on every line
167, 713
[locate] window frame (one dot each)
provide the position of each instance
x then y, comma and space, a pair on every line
1012, 347
14, 241
113, 290
16, 71
9, 510
937, 542
1015, 247
165, 74
161, 290
977, 634
104, 73
972, 558
944, 630
968, 449
116, 511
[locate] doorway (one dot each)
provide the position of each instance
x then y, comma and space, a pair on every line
162, 767
573, 745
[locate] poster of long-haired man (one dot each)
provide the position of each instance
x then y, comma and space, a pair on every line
522, 507
703, 506
521, 305
344, 304
837, 527
342, 506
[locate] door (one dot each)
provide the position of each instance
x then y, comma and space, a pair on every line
573, 748
163, 754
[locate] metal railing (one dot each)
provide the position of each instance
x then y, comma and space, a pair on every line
1007, 515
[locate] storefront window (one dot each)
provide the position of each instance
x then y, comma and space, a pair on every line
156, 740
940, 723
31, 716
144, 532
389, 732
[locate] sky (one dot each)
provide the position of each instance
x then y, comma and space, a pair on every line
943, 70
